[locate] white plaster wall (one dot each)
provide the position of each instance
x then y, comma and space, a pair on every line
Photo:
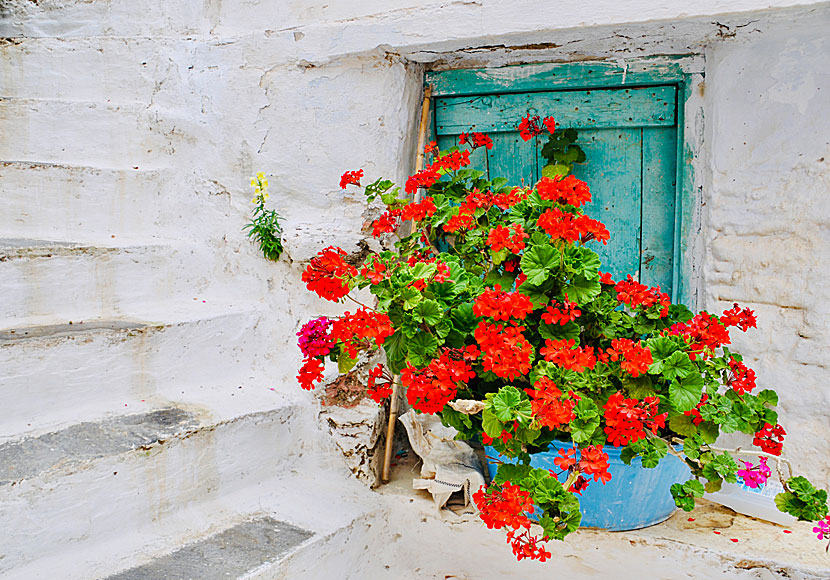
145, 119
768, 216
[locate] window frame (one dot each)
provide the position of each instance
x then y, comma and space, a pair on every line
684, 72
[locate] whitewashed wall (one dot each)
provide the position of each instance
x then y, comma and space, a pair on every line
143, 120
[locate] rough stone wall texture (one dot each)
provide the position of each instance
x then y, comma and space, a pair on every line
130, 123
767, 216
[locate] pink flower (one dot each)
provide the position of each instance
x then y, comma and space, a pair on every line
823, 528
314, 337
755, 476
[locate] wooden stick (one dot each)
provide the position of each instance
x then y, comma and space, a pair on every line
396, 382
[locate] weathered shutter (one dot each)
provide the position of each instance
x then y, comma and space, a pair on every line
630, 139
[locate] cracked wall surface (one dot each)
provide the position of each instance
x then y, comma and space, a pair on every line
151, 116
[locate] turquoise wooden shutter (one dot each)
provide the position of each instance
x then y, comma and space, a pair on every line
630, 139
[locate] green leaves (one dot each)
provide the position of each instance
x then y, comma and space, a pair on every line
677, 366
802, 500
422, 349
428, 312
684, 394
581, 289
509, 405
586, 421
539, 262
684, 494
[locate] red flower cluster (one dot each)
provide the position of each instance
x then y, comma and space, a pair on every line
568, 190
605, 278
310, 373
743, 319
634, 358
770, 439
512, 238
704, 331
594, 461
529, 126
561, 314
327, 272
425, 178
549, 407
743, 378
375, 271
380, 384
504, 507
418, 211
635, 295
627, 419
500, 305
526, 546
569, 227
388, 222
507, 200
564, 354
476, 140
504, 351
351, 178
430, 388
358, 330
452, 161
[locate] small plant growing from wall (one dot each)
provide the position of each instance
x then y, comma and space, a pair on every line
264, 227
495, 314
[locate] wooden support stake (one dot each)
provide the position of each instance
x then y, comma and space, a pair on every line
396, 382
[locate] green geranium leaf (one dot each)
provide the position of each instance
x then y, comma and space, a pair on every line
570, 331
683, 425
581, 289
463, 318
685, 393
491, 425
422, 349
345, 363
678, 365
411, 297
638, 388
661, 347
539, 261
428, 311
555, 170
586, 422
769, 397
395, 347
508, 405
583, 262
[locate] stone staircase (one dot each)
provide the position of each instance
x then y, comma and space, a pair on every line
150, 425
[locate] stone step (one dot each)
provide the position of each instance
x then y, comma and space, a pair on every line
119, 488
44, 277
214, 355
96, 133
87, 204
67, 449
232, 553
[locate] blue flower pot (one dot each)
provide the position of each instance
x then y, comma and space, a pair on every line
634, 498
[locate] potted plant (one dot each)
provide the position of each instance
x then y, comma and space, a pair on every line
494, 312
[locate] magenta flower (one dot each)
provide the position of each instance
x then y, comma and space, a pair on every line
314, 337
823, 528
755, 476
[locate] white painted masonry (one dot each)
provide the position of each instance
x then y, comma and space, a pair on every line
130, 129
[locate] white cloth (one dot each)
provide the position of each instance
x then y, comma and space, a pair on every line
448, 466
